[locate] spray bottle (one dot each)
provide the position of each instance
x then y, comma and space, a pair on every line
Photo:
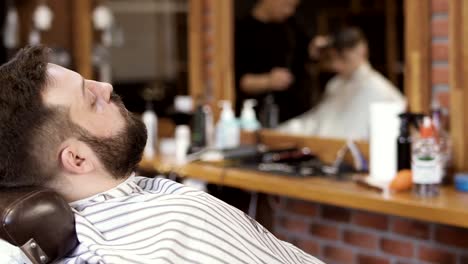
227, 128
248, 120
426, 166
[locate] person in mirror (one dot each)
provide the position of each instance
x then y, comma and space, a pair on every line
272, 51
344, 111
74, 135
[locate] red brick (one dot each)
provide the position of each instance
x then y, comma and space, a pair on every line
435, 255
366, 259
324, 231
397, 247
440, 6
440, 27
294, 225
440, 51
281, 237
376, 221
309, 246
360, 239
443, 98
339, 255
440, 75
336, 213
302, 208
453, 236
411, 228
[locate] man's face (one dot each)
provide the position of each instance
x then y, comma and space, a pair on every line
346, 62
98, 118
281, 10
88, 101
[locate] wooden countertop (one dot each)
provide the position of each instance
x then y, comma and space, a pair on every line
450, 207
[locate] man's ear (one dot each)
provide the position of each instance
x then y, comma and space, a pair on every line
75, 157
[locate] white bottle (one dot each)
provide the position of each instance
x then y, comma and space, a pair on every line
182, 142
227, 128
151, 122
248, 118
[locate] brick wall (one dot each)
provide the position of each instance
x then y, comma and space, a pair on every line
340, 235
440, 74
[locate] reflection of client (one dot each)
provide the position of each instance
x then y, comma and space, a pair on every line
344, 111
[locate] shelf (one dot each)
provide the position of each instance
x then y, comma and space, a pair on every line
450, 207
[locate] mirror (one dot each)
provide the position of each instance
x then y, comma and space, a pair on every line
315, 67
149, 52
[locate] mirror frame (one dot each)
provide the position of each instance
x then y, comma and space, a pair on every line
458, 82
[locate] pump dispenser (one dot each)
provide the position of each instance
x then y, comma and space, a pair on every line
227, 128
151, 122
249, 121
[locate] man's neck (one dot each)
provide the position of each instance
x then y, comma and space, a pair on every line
353, 70
78, 187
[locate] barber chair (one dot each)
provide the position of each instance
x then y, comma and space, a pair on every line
39, 221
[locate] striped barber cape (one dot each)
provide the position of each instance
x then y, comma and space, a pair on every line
155, 220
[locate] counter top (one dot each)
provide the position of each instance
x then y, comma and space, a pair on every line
450, 207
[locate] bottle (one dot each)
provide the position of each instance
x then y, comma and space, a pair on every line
426, 166
182, 143
202, 126
269, 114
404, 142
248, 120
227, 128
198, 127
151, 122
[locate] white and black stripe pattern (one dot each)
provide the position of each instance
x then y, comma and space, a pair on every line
157, 220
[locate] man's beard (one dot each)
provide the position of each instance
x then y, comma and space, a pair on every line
119, 154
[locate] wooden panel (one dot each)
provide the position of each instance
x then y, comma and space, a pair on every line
82, 37
196, 85
417, 55
223, 74
458, 57
448, 208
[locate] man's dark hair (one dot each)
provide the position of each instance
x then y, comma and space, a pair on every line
25, 134
346, 38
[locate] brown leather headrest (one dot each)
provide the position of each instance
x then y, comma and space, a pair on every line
39, 214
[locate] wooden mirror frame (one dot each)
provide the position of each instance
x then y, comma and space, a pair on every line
458, 81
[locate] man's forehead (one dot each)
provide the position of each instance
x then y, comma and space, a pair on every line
57, 73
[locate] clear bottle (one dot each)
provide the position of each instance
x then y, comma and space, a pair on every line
426, 162
248, 120
227, 128
150, 120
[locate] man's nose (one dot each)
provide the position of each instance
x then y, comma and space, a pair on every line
105, 91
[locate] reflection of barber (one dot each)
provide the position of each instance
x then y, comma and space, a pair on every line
344, 111
271, 56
